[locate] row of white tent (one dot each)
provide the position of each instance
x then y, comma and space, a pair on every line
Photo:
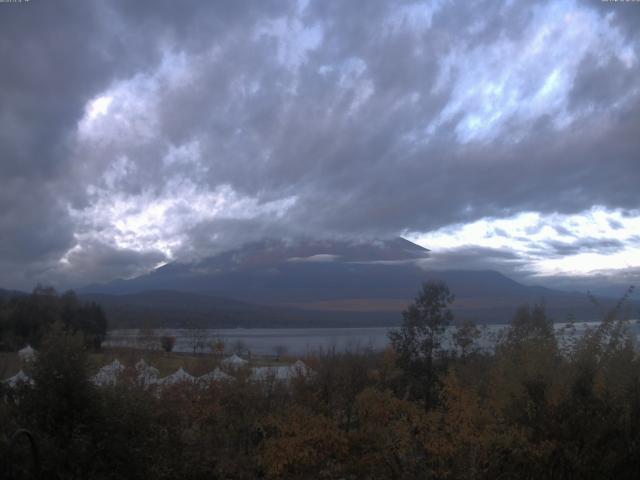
28, 354
148, 375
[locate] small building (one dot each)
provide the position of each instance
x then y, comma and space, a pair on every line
108, 375
281, 373
146, 374
300, 368
216, 375
18, 379
234, 361
27, 354
179, 376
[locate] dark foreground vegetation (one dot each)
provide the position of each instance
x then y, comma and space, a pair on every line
535, 408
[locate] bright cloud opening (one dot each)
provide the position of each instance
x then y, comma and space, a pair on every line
99, 106
517, 81
550, 244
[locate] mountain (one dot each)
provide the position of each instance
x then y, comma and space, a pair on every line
6, 294
175, 309
313, 283
275, 271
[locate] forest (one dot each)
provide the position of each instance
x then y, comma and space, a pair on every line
26, 319
538, 406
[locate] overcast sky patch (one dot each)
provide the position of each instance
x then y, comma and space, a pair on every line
151, 132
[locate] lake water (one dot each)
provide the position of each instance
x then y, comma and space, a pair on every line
261, 341
298, 341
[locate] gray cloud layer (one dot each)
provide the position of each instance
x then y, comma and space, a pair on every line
231, 120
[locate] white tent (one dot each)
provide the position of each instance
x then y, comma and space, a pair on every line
147, 374
284, 373
177, 377
19, 379
234, 361
300, 368
275, 373
27, 354
108, 375
216, 375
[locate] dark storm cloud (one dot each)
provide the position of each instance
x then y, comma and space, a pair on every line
338, 118
598, 85
472, 257
612, 283
624, 15
50, 65
55, 56
583, 245
99, 260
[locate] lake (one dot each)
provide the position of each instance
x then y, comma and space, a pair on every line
298, 341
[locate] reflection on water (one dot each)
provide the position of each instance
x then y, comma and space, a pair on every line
299, 341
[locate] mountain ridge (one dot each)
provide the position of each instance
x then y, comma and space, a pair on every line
334, 283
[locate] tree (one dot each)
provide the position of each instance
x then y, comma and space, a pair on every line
30, 317
280, 350
198, 337
148, 337
460, 431
418, 342
167, 343
530, 325
465, 338
217, 345
301, 444
389, 439
63, 405
93, 325
239, 346
62, 390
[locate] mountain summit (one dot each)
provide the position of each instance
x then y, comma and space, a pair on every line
283, 271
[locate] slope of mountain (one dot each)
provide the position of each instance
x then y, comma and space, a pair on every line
5, 294
274, 271
175, 309
307, 282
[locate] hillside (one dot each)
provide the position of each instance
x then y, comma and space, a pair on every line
315, 283
176, 309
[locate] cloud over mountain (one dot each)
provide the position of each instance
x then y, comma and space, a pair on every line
135, 133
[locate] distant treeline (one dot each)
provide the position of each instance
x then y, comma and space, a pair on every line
538, 407
26, 319
175, 309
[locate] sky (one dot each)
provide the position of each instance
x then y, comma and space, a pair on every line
498, 134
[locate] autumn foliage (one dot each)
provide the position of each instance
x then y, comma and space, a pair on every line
535, 407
